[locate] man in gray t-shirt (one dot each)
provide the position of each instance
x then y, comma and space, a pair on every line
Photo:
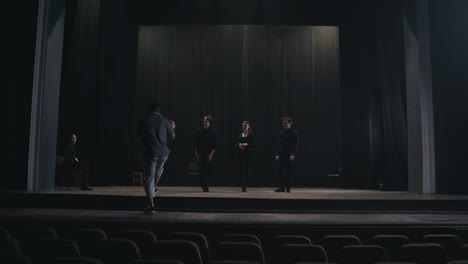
155, 131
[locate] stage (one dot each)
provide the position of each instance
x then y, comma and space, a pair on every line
232, 200
260, 193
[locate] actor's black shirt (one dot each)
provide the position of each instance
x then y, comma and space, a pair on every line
250, 140
288, 141
69, 153
205, 141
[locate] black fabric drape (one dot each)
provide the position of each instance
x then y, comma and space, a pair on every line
78, 95
243, 72
391, 147
98, 88
374, 98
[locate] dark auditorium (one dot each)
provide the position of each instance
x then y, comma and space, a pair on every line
235, 132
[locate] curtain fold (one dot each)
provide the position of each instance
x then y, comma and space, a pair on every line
244, 72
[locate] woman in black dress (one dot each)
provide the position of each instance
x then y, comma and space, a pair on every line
245, 145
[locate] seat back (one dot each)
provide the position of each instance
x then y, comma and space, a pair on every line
241, 238
145, 240
46, 250
239, 251
292, 253
15, 259
364, 254
424, 253
391, 243
76, 260
180, 250
333, 243
197, 238
85, 238
9, 247
115, 251
450, 242
4, 232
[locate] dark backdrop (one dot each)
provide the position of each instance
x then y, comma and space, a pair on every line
449, 39
245, 72
113, 69
102, 98
19, 38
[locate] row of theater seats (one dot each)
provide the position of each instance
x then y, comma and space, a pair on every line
92, 245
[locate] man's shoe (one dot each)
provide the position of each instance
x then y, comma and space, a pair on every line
244, 189
288, 190
86, 188
279, 190
149, 210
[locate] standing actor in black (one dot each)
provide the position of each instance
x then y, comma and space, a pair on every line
245, 146
71, 162
288, 141
205, 147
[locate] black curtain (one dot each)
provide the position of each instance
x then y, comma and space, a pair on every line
347, 102
389, 148
374, 98
449, 39
19, 30
98, 87
244, 72
78, 96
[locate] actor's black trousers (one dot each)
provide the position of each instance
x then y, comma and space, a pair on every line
285, 172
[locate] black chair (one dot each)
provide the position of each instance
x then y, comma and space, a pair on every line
85, 238
76, 260
391, 243
87, 234
424, 253
46, 250
233, 262
363, 254
35, 233
291, 239
9, 247
115, 251
145, 240
155, 261
198, 239
239, 251
308, 262
4, 232
241, 238
180, 250
16, 259
333, 243
292, 253
462, 252
396, 263
272, 245
452, 243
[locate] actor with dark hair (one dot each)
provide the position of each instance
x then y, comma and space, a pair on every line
288, 141
154, 133
71, 162
205, 147
245, 146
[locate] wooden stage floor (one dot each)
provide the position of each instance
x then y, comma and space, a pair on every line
262, 193
229, 205
232, 200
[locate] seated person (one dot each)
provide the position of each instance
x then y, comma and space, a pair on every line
71, 161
